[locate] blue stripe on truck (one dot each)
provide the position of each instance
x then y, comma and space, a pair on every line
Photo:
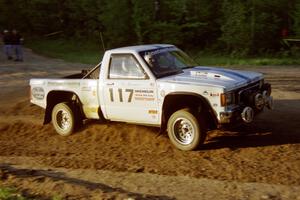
227, 71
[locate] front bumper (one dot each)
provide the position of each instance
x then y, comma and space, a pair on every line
231, 116
246, 113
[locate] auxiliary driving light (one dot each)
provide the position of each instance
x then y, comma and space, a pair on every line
259, 101
247, 114
268, 100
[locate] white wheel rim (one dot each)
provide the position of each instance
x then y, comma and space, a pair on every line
184, 131
63, 119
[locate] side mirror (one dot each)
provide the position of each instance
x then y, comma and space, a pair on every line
84, 72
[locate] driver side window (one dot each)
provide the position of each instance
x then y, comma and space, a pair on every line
125, 66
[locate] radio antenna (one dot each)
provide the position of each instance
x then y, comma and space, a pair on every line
103, 46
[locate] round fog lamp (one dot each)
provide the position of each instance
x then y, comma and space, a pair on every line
247, 114
259, 101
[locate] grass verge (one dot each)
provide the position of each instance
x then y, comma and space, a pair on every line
90, 52
7, 193
87, 52
223, 60
10, 193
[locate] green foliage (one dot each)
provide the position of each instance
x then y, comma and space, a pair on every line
236, 30
143, 17
202, 23
118, 24
223, 60
253, 27
89, 53
268, 20
57, 197
166, 33
10, 194
296, 18
239, 27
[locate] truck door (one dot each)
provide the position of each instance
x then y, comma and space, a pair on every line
129, 94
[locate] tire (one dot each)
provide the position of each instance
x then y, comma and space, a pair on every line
184, 130
63, 119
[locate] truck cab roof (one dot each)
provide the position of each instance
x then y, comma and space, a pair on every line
140, 48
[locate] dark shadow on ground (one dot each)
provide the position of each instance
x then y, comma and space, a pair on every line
277, 127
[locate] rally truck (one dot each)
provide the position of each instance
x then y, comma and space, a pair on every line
156, 85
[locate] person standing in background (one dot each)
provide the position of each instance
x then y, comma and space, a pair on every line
7, 39
16, 41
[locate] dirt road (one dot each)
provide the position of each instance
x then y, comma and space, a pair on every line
117, 160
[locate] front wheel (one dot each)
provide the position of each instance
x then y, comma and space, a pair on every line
184, 130
63, 119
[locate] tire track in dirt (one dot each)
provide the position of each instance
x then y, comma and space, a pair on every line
102, 184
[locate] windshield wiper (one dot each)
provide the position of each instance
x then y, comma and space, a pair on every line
188, 67
169, 73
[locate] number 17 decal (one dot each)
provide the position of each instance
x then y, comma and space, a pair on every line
120, 92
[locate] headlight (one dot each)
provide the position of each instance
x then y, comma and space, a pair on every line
227, 99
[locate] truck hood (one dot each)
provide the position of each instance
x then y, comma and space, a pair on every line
215, 77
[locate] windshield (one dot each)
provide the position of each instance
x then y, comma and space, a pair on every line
167, 61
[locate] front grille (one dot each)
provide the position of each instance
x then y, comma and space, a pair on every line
242, 94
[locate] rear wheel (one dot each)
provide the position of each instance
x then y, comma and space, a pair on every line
63, 119
184, 130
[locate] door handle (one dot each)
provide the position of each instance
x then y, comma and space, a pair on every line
110, 84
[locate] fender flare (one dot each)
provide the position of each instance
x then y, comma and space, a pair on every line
202, 99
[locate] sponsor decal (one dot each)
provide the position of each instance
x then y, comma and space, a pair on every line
144, 95
70, 84
144, 99
38, 93
144, 91
91, 109
152, 111
199, 73
214, 94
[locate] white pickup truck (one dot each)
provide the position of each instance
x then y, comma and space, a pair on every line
156, 85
